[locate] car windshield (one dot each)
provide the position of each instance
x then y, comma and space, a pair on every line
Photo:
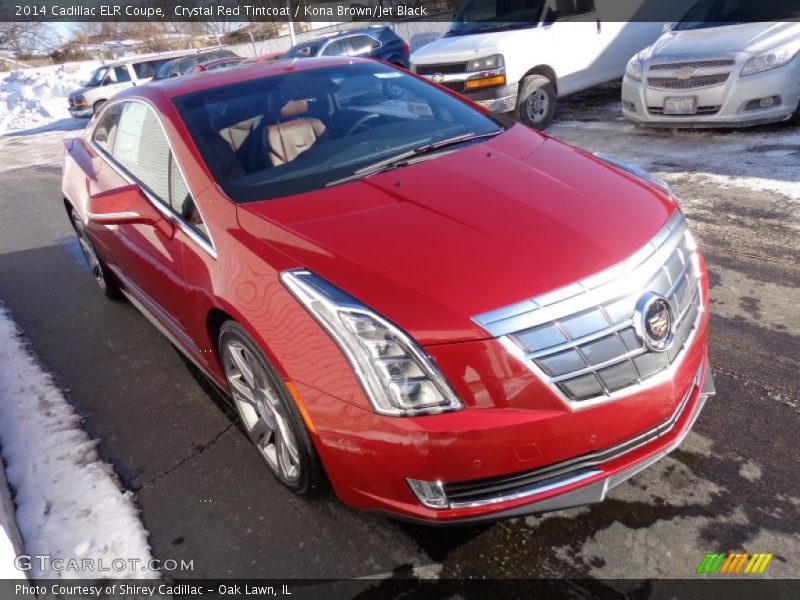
483, 16
163, 71
97, 77
300, 131
717, 13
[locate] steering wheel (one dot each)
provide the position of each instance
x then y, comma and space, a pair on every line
360, 122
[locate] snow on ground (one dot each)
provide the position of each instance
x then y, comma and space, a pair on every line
34, 97
69, 502
10, 544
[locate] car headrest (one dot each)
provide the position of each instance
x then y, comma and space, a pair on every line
294, 107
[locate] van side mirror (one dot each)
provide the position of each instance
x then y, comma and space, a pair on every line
122, 206
668, 27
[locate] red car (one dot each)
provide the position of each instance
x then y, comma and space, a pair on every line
453, 317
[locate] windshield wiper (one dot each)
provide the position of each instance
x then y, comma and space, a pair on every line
403, 159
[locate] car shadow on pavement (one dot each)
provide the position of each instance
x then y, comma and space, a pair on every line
68, 124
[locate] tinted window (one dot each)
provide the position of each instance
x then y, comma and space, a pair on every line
302, 51
336, 48
120, 74
145, 70
106, 128
710, 13
476, 16
299, 131
163, 71
362, 44
567, 9
181, 199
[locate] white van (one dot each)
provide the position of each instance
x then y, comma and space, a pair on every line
113, 77
520, 55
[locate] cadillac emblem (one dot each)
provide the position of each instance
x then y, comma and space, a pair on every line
654, 322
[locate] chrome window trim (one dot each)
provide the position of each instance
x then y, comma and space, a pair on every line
169, 214
619, 281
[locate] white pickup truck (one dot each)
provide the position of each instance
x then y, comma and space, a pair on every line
520, 55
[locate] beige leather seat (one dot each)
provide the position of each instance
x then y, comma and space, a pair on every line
288, 139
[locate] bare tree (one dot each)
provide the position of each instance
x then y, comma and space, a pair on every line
24, 39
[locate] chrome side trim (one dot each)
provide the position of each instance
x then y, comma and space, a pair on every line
207, 245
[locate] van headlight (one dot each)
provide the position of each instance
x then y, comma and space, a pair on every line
635, 69
398, 377
495, 61
766, 61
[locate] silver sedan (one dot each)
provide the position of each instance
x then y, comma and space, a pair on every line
701, 75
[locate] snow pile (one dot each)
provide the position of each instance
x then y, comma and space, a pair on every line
69, 502
33, 97
9, 535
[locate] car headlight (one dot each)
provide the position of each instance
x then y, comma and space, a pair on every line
397, 376
777, 57
639, 172
635, 69
495, 61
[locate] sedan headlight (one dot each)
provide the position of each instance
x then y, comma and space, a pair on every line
397, 376
639, 172
495, 61
635, 69
777, 57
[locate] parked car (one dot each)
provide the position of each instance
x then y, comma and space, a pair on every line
710, 70
220, 63
113, 77
521, 56
516, 342
372, 42
186, 64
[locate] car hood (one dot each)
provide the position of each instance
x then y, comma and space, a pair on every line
79, 91
726, 40
433, 244
467, 47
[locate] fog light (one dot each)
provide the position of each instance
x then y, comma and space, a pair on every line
760, 103
429, 493
629, 106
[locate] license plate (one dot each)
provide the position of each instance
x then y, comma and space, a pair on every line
680, 105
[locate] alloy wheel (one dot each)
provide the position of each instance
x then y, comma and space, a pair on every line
262, 411
90, 254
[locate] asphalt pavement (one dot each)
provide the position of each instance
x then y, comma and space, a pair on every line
205, 496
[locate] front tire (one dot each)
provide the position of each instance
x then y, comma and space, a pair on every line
536, 102
268, 412
102, 277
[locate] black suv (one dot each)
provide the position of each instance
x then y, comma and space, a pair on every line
371, 42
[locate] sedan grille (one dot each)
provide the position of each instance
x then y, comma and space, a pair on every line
701, 110
697, 81
444, 69
582, 339
698, 64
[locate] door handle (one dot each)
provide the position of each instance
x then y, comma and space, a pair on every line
599, 26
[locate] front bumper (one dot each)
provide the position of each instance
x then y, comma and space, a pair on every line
724, 105
80, 113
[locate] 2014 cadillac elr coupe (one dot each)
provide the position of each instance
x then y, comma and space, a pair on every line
453, 317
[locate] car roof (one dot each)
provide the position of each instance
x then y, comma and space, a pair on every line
179, 86
149, 57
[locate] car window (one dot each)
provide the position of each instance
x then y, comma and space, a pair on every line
362, 44
120, 74
163, 70
147, 69
186, 65
559, 10
478, 16
303, 130
142, 149
336, 48
302, 51
106, 129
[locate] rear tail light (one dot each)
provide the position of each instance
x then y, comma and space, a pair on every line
406, 48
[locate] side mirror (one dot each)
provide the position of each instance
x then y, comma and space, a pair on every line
121, 206
668, 27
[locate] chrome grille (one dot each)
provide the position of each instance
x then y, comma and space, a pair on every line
701, 110
697, 81
697, 64
581, 339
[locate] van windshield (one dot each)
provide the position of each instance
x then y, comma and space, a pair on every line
483, 16
716, 13
97, 77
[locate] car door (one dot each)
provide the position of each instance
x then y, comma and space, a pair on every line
150, 258
571, 38
118, 78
